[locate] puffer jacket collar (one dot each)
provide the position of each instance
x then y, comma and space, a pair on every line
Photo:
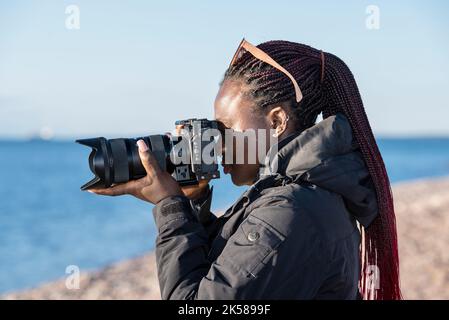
327, 156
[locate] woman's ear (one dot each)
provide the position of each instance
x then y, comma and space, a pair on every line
278, 120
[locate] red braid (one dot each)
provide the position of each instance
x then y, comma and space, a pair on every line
379, 243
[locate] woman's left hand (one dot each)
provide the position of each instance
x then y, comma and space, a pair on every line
154, 187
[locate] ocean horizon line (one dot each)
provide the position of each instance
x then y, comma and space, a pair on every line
65, 139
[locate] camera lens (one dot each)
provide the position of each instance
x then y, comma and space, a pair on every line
182, 155
117, 160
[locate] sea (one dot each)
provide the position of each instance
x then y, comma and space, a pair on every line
47, 224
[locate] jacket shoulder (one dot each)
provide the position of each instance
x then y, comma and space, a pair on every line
306, 209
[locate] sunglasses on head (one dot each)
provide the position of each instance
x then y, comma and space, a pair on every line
245, 46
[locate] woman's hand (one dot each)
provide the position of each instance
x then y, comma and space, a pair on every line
154, 187
196, 191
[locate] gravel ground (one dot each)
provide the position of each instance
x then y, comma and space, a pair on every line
422, 209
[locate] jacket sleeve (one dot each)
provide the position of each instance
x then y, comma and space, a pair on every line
182, 248
201, 208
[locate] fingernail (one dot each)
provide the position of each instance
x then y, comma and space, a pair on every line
142, 146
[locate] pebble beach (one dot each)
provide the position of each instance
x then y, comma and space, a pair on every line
422, 210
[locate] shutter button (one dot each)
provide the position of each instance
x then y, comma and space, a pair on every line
253, 236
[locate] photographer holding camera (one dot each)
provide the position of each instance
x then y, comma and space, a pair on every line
312, 222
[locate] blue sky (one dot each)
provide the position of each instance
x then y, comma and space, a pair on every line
136, 67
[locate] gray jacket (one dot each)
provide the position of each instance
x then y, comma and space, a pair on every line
291, 235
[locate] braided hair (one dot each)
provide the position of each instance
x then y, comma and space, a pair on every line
328, 87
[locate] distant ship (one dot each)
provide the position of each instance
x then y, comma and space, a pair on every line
44, 134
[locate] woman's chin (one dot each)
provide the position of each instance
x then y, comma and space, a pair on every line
242, 175
238, 181
235, 179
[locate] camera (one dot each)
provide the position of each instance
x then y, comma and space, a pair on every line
189, 156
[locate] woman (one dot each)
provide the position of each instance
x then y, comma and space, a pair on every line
317, 221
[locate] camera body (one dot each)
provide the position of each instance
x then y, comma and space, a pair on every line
200, 134
189, 156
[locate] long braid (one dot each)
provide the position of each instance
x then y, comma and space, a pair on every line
329, 92
380, 237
